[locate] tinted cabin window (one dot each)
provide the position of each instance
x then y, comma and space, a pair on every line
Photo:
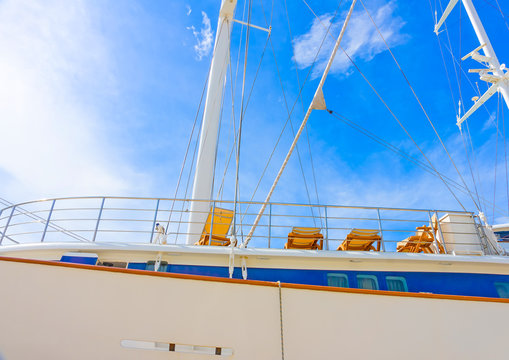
502, 235
337, 280
502, 289
396, 283
367, 282
162, 266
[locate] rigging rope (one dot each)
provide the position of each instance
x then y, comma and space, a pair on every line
391, 112
496, 161
458, 80
293, 131
187, 150
470, 165
303, 112
293, 106
505, 155
281, 321
401, 153
504, 16
233, 116
420, 104
318, 95
239, 137
291, 124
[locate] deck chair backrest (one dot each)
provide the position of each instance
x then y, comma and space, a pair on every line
361, 239
363, 234
305, 238
220, 223
305, 231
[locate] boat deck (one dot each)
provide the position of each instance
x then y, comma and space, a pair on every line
134, 220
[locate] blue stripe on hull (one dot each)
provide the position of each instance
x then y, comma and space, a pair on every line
433, 282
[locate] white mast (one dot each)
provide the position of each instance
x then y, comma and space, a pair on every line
204, 173
499, 77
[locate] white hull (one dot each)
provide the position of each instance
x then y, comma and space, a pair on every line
74, 312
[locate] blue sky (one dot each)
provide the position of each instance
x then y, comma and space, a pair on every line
99, 97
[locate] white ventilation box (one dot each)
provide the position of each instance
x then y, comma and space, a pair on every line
460, 234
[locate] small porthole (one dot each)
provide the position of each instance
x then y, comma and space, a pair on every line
337, 280
367, 282
396, 283
502, 289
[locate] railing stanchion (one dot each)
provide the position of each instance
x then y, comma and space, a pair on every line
270, 221
154, 223
433, 230
48, 220
212, 222
98, 219
1, 232
7, 224
326, 229
440, 231
380, 228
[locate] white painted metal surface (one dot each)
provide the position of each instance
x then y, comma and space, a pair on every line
91, 312
499, 77
204, 173
460, 235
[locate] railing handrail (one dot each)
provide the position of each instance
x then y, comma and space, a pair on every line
239, 202
86, 218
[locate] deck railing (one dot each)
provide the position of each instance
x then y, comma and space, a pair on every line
133, 220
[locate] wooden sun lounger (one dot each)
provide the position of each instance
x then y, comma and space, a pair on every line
305, 239
219, 225
361, 240
420, 242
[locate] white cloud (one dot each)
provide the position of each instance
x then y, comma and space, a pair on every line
188, 10
204, 37
361, 39
54, 59
490, 122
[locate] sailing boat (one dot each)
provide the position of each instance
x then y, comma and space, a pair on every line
352, 281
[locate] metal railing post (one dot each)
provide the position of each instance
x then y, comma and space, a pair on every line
381, 230
482, 244
212, 222
326, 229
48, 220
440, 231
1, 233
270, 222
98, 219
154, 223
433, 231
7, 224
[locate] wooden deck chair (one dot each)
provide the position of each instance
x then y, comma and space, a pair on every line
361, 240
220, 225
305, 238
420, 242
